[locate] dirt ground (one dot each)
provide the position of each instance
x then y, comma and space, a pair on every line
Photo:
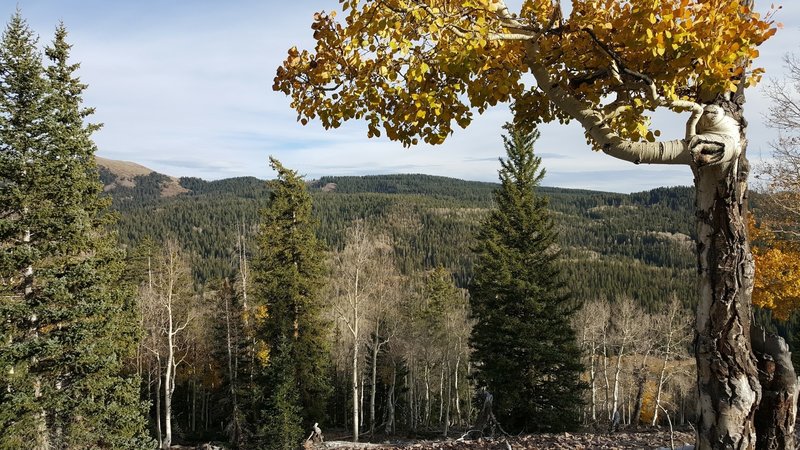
621, 440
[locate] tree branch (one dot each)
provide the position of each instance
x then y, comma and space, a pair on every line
664, 152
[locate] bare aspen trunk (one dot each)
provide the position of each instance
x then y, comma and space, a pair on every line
449, 400
469, 404
243, 275
593, 384
441, 394
374, 377
231, 374
605, 373
361, 402
159, 432
390, 402
641, 381
168, 379
727, 378
661, 379
243, 271
617, 369
355, 387
427, 396
149, 386
458, 397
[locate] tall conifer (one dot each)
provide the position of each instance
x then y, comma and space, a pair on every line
525, 351
66, 320
290, 329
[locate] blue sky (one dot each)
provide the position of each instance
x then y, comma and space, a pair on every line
184, 87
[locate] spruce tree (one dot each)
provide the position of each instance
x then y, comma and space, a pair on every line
288, 276
525, 351
67, 324
281, 429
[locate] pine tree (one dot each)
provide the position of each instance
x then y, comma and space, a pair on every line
67, 319
525, 351
288, 276
282, 428
22, 92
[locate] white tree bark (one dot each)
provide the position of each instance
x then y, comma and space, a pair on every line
729, 389
625, 336
353, 288
167, 305
159, 431
455, 383
727, 378
675, 329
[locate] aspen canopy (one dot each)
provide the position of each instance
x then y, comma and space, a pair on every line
412, 69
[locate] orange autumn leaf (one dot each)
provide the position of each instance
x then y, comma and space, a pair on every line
777, 277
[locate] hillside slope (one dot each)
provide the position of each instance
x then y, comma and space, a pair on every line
639, 245
126, 174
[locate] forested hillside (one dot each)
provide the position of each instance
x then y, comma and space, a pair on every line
627, 258
612, 243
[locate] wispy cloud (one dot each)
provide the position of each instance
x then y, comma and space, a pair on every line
185, 88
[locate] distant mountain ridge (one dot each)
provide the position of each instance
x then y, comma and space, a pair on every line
638, 245
123, 174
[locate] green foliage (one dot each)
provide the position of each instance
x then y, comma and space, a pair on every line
525, 350
281, 428
288, 277
612, 242
439, 295
67, 320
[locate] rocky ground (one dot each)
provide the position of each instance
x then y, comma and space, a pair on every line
621, 440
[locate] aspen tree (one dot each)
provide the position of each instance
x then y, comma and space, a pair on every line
414, 69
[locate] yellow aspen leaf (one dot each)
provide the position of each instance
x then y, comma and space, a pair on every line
453, 51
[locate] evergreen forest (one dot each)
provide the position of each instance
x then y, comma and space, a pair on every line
628, 261
619, 240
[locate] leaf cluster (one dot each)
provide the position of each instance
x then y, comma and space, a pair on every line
413, 69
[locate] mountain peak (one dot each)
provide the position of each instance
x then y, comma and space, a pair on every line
124, 174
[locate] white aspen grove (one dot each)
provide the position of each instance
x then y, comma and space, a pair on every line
352, 290
383, 315
592, 322
169, 315
673, 329
643, 347
624, 322
458, 325
152, 345
652, 374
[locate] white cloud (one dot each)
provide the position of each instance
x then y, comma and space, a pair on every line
185, 88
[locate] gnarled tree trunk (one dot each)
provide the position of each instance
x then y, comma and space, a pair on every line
775, 416
727, 379
739, 405
714, 147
